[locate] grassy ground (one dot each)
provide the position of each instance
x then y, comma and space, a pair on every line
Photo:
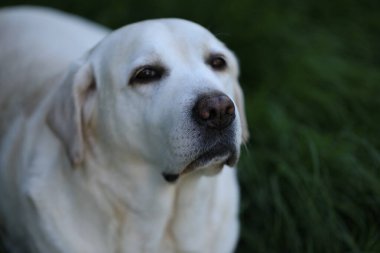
310, 175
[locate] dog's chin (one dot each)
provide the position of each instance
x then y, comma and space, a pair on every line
210, 163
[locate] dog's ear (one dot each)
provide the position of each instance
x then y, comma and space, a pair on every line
239, 100
65, 115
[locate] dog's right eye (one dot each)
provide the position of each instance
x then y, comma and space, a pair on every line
146, 74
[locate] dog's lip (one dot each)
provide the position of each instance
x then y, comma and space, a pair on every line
215, 156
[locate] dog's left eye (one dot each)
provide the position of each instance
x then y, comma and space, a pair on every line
147, 74
217, 62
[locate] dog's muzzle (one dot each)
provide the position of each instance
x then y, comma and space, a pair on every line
213, 113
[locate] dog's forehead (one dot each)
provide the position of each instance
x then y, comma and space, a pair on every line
169, 34
169, 41
172, 28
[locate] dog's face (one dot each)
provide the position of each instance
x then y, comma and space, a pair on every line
167, 92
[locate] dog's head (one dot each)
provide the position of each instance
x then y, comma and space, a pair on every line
165, 91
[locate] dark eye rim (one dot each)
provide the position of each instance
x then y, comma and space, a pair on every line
138, 76
217, 62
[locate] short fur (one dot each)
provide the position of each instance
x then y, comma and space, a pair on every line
83, 152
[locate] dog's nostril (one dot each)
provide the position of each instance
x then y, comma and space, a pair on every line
205, 115
230, 109
215, 111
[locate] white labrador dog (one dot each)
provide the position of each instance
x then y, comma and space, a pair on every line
115, 142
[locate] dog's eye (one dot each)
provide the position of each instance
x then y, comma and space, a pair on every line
146, 74
217, 62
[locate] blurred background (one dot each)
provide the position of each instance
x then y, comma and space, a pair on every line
310, 70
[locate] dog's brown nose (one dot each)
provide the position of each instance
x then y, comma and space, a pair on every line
215, 111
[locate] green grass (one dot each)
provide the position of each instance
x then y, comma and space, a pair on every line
310, 175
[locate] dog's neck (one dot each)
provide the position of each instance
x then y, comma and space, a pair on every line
143, 201
134, 204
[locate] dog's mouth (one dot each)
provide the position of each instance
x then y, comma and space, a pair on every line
214, 158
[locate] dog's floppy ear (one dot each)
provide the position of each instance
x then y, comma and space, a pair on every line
239, 100
65, 113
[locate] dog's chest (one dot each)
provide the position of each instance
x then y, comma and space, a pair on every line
185, 217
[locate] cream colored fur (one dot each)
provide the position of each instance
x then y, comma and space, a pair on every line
83, 151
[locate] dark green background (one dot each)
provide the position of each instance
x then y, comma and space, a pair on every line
310, 174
